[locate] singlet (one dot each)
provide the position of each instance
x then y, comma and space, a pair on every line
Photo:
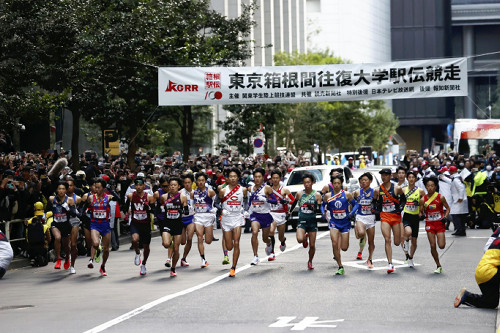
305, 201
233, 204
140, 208
161, 214
388, 206
365, 200
99, 209
278, 207
203, 203
412, 205
190, 202
59, 214
435, 210
258, 201
338, 206
173, 207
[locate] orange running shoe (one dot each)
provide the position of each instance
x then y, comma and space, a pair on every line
232, 272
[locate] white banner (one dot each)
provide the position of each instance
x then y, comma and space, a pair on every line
298, 84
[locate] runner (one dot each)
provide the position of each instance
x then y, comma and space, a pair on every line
99, 222
433, 205
174, 204
233, 199
260, 208
75, 223
365, 217
86, 217
411, 213
138, 206
61, 227
338, 204
402, 182
204, 216
279, 211
390, 213
309, 202
187, 220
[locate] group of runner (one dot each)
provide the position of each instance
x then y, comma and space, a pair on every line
182, 211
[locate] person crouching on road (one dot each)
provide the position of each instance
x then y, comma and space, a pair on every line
6, 254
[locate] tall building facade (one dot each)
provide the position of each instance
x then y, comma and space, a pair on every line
280, 26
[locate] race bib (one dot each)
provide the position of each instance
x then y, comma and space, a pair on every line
60, 217
173, 214
411, 207
305, 209
99, 214
434, 217
366, 207
201, 207
339, 214
140, 215
388, 207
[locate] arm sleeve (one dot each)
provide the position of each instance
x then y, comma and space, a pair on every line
246, 206
272, 199
355, 206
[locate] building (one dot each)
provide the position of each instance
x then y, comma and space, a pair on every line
280, 27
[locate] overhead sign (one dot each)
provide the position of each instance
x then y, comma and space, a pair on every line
298, 84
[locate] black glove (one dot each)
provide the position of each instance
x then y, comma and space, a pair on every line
445, 220
421, 217
352, 217
284, 201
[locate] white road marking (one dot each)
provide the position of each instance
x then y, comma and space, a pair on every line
362, 264
304, 323
166, 298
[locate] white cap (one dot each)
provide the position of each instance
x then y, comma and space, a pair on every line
141, 174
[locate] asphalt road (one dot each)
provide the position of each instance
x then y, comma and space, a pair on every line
274, 296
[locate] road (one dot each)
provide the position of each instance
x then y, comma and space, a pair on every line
274, 296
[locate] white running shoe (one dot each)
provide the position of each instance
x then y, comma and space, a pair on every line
204, 263
406, 245
143, 270
410, 263
283, 247
269, 249
390, 269
72, 270
137, 260
255, 261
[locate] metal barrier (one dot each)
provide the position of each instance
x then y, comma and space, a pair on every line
7, 229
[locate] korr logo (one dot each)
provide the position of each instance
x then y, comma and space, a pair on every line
181, 87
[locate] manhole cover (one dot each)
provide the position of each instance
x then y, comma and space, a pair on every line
14, 307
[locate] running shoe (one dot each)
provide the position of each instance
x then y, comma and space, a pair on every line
98, 254
340, 271
406, 245
438, 270
72, 270
359, 257
204, 263
168, 263
369, 263
173, 274
283, 247
184, 263
103, 271
390, 269
310, 265
272, 257
460, 297
143, 270
91, 264
232, 272
410, 263
255, 261
67, 262
269, 248
305, 244
58, 264
225, 261
137, 260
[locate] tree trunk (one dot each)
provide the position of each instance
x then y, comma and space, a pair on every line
132, 146
187, 132
75, 138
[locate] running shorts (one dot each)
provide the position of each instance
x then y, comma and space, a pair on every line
265, 219
279, 218
74, 221
412, 221
391, 218
341, 225
63, 227
230, 222
309, 225
173, 227
187, 220
367, 220
435, 227
103, 228
204, 219
144, 231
